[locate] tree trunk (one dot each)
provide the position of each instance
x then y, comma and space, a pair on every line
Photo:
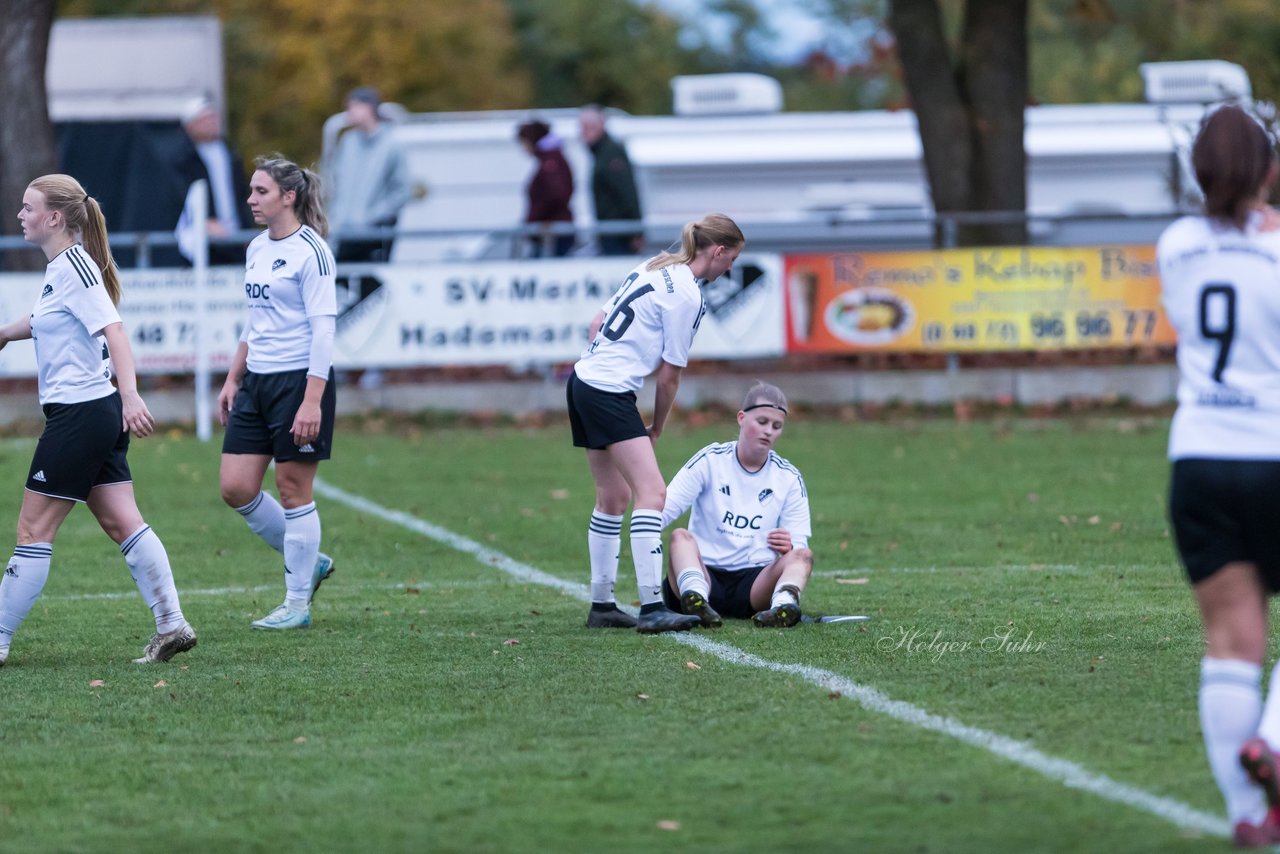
970, 112
26, 134
994, 73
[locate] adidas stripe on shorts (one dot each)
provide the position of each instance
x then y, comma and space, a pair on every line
262, 417
83, 445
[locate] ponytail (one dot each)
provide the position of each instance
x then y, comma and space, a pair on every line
712, 230
94, 237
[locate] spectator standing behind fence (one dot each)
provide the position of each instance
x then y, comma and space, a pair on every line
613, 186
549, 189
212, 159
367, 180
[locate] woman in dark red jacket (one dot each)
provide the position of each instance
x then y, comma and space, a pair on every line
549, 189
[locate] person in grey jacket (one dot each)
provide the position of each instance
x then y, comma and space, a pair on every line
368, 181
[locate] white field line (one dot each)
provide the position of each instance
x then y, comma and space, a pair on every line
1070, 774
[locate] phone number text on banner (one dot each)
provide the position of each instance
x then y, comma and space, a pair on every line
975, 300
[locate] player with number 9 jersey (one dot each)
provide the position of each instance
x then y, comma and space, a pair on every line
1220, 278
646, 327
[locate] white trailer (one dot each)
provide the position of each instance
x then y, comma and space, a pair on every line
817, 180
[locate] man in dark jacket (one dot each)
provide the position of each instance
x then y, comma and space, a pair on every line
613, 187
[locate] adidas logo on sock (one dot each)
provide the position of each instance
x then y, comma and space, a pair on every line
38, 476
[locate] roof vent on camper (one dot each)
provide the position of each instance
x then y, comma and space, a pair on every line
1196, 82
725, 94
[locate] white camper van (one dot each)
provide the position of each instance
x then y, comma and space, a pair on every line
801, 181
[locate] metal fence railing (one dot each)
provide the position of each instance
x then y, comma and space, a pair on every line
821, 231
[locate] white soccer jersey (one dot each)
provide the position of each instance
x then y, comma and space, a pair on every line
734, 509
286, 282
1221, 291
651, 319
72, 311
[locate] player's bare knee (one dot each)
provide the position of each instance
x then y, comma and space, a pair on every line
238, 494
683, 537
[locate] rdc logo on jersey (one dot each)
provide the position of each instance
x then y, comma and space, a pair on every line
764, 495
277, 264
48, 289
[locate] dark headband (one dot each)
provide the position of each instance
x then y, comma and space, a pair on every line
770, 405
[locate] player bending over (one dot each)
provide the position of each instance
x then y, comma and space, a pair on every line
745, 552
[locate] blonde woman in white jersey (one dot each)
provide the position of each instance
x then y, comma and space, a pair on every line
82, 453
1220, 279
746, 550
644, 328
278, 400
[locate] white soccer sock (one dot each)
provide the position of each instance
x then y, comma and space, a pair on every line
783, 597
148, 563
301, 548
646, 554
1230, 703
265, 518
604, 543
24, 578
1269, 728
692, 578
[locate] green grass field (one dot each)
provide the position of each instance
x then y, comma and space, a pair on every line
1019, 575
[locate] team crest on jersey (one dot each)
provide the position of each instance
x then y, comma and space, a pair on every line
277, 264
764, 495
48, 289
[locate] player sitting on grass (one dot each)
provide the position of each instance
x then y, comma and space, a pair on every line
745, 552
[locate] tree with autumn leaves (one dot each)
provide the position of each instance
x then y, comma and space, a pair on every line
968, 67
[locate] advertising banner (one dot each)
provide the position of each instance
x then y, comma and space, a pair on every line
514, 312
975, 300
422, 315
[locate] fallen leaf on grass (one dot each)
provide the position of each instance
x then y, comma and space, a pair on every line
852, 580
302, 739
559, 494
692, 666
510, 642
1093, 520
834, 695
160, 684
412, 591
97, 683
642, 696
668, 824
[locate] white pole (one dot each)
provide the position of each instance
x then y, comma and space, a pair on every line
204, 414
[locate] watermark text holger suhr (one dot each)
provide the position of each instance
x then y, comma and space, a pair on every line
936, 645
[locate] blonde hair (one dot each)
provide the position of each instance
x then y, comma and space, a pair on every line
712, 230
764, 394
305, 185
63, 194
